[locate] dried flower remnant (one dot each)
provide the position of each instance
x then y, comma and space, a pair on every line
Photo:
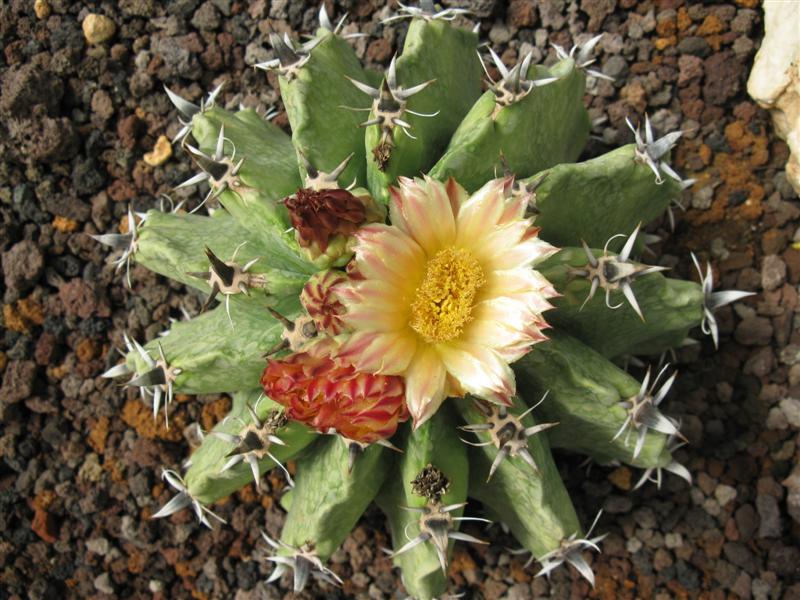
319, 215
437, 524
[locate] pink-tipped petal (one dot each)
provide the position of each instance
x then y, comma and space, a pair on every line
480, 214
421, 209
527, 252
457, 195
384, 353
383, 251
482, 371
425, 384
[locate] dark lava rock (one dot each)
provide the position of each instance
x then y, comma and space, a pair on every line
597, 10
785, 561
178, 58
18, 381
479, 8
206, 18
60, 205
28, 86
696, 46
754, 331
740, 556
44, 139
87, 177
722, 78
22, 265
80, 299
137, 8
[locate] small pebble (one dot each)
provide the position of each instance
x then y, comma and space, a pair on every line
98, 28
102, 583
790, 407
711, 506
99, 546
770, 514
773, 272
724, 494
160, 153
42, 9
633, 545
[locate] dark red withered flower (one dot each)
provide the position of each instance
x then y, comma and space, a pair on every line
318, 215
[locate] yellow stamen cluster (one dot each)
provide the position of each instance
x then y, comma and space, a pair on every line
443, 302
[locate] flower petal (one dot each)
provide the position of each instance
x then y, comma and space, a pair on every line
384, 353
478, 215
422, 209
385, 252
523, 285
425, 384
529, 251
378, 298
457, 195
482, 371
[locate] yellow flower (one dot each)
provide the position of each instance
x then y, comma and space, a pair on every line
446, 295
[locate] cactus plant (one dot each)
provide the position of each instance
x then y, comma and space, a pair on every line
371, 266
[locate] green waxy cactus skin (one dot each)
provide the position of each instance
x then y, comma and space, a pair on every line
205, 479
270, 163
585, 391
252, 194
174, 246
533, 503
671, 308
433, 443
431, 49
547, 127
594, 200
328, 498
215, 355
317, 102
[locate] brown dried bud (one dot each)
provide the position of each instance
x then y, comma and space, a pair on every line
318, 215
430, 483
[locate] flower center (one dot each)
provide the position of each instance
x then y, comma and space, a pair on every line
443, 302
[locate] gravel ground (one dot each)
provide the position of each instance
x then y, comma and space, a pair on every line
81, 457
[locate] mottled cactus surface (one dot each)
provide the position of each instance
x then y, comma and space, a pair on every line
415, 298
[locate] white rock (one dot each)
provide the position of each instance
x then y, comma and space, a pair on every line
99, 546
724, 494
633, 545
792, 485
775, 79
776, 419
791, 410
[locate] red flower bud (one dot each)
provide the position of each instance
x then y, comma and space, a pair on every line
319, 392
